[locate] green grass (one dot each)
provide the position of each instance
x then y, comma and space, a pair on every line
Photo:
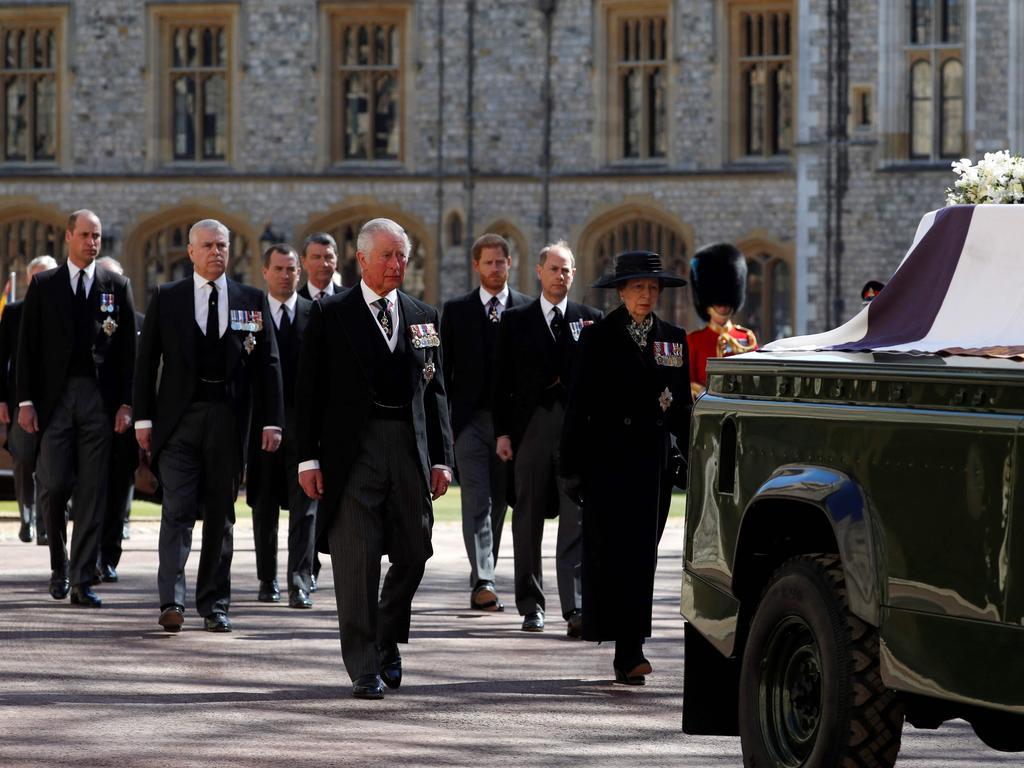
446, 509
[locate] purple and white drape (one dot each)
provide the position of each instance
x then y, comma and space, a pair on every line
959, 290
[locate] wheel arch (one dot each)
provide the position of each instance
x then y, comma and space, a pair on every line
801, 509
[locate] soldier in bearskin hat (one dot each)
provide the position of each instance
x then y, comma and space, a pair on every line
718, 278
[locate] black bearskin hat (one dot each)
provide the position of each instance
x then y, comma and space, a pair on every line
718, 276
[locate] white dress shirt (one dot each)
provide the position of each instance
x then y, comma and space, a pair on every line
546, 307
202, 292
275, 308
315, 293
485, 297
370, 297
90, 273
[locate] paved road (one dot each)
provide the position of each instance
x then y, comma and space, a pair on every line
89, 688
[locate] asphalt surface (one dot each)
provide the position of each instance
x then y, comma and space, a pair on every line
93, 688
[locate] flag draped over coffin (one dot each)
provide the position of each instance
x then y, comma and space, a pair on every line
959, 290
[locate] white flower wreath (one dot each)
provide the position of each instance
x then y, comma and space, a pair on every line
998, 178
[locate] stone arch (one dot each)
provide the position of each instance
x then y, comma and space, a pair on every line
156, 248
344, 224
770, 309
522, 276
635, 226
28, 230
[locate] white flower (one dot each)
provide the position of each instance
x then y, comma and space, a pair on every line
997, 178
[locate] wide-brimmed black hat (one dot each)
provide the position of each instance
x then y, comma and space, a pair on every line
639, 265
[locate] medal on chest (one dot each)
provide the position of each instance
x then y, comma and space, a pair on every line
665, 399
576, 328
248, 321
668, 353
108, 308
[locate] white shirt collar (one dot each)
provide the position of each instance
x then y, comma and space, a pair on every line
275, 305
74, 269
221, 282
314, 291
546, 306
370, 296
485, 295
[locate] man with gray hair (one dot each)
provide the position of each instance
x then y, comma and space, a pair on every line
76, 357
22, 446
377, 352
206, 356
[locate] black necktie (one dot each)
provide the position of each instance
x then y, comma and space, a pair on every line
319, 295
384, 318
212, 315
492, 310
556, 323
80, 290
286, 321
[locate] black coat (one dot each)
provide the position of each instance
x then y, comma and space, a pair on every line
265, 472
334, 362
10, 323
167, 357
46, 341
616, 438
527, 362
463, 327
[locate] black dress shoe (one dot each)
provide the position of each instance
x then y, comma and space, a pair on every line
632, 674
312, 582
41, 538
368, 687
269, 592
171, 618
534, 622
84, 596
217, 622
59, 587
108, 574
25, 532
574, 625
299, 598
485, 598
390, 665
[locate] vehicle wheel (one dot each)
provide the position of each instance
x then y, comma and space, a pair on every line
811, 692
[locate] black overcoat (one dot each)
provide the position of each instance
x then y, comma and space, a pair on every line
623, 407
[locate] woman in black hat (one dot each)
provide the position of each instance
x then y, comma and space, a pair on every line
629, 392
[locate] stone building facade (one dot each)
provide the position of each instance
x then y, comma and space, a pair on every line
795, 128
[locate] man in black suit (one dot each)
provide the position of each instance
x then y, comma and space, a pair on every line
272, 479
319, 262
377, 453
534, 356
206, 355
76, 357
124, 458
469, 331
22, 446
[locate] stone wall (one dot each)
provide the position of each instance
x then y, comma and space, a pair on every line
279, 172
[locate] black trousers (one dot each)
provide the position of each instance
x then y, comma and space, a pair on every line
120, 491
280, 470
384, 509
74, 452
199, 469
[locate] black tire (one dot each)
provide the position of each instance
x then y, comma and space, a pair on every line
811, 692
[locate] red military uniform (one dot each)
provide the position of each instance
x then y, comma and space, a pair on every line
715, 340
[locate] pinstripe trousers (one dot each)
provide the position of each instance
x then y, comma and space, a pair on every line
385, 509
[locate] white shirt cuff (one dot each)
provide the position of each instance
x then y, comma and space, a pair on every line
143, 424
275, 429
23, 403
442, 466
306, 465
